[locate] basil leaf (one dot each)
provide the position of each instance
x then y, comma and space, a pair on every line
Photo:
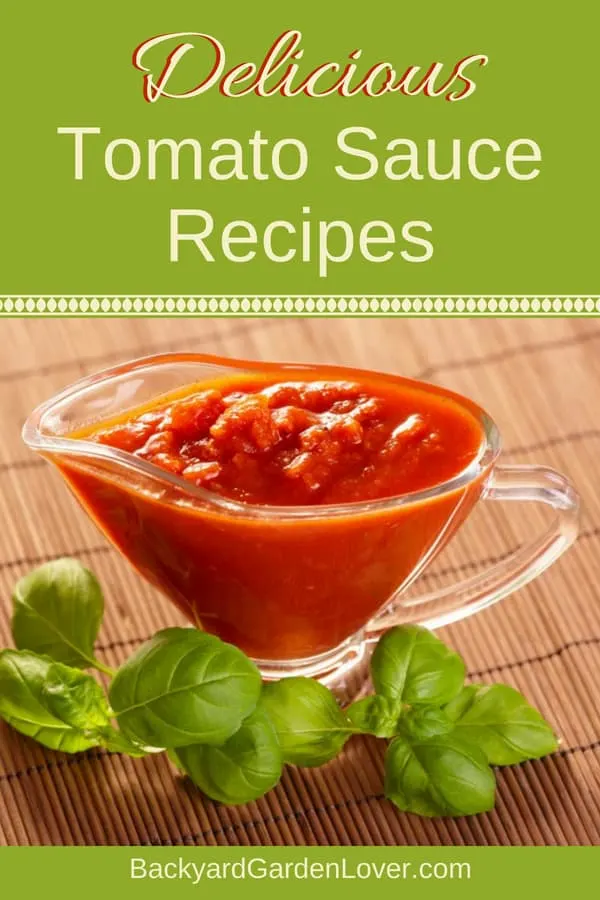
499, 720
247, 765
442, 776
58, 609
422, 723
184, 687
115, 742
375, 715
56, 705
459, 704
411, 664
75, 698
311, 727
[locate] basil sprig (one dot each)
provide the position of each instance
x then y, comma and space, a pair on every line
202, 700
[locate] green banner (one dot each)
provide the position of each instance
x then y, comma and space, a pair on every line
224, 872
389, 151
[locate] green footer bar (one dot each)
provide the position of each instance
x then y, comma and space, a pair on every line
222, 872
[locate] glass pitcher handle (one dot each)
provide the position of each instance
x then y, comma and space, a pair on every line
526, 484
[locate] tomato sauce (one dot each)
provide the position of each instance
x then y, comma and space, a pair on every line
301, 442
279, 586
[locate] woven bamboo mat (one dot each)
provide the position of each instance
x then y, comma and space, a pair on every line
540, 379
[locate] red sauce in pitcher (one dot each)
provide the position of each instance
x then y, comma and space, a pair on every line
283, 587
301, 442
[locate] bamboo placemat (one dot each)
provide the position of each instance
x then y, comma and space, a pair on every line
540, 379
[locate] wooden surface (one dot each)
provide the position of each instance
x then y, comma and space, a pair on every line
539, 379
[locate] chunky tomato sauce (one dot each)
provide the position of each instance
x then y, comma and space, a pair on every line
302, 442
272, 438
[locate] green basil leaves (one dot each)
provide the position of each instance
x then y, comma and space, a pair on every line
184, 687
376, 715
202, 700
412, 665
60, 707
244, 768
445, 735
310, 726
441, 776
498, 719
57, 612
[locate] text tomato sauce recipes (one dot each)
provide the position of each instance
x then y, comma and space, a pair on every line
361, 153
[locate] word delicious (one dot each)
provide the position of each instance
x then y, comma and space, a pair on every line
361, 156
280, 72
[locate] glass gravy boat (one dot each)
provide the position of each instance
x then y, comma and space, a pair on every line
302, 590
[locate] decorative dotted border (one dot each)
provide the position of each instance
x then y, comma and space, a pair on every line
309, 305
